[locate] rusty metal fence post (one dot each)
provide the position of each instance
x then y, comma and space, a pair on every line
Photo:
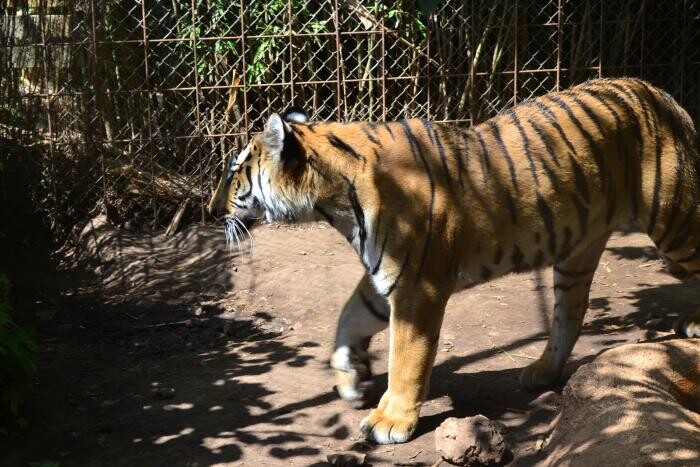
147, 84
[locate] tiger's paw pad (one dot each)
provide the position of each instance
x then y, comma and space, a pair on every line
381, 428
353, 376
687, 326
538, 375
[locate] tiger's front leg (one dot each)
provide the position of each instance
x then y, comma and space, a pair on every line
365, 314
416, 317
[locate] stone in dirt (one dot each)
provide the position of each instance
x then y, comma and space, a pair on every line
471, 441
638, 404
347, 459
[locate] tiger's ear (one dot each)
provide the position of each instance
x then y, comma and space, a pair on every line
295, 115
281, 141
276, 130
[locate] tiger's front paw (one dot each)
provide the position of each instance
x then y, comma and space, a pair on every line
539, 374
384, 427
353, 376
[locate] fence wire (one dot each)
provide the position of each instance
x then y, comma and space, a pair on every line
133, 105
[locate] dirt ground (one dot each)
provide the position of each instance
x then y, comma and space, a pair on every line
175, 352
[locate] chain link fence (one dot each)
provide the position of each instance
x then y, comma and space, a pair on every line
131, 106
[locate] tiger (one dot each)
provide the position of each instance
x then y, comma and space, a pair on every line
433, 208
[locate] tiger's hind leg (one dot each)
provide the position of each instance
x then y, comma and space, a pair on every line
572, 283
365, 314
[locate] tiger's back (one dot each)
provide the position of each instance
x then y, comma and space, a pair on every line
531, 186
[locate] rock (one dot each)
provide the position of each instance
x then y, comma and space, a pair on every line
163, 393
471, 441
347, 459
638, 401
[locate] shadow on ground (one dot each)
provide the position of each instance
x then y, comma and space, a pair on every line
151, 360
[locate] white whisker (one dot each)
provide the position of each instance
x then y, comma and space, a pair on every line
250, 237
236, 233
230, 233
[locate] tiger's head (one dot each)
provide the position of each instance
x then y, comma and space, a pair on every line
267, 179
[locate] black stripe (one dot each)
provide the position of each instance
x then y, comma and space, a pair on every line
435, 139
591, 114
411, 139
566, 244
370, 135
499, 255
628, 91
610, 209
546, 142
548, 219
675, 208
484, 156
597, 153
511, 208
580, 179
594, 94
249, 177
517, 257
676, 200
370, 307
359, 216
552, 119
685, 229
582, 212
378, 216
343, 146
539, 259
657, 174
485, 273
679, 241
314, 165
398, 276
325, 215
375, 269
415, 148
632, 166
526, 145
391, 133
495, 129
457, 154
553, 180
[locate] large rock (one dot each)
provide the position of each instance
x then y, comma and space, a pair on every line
635, 405
470, 441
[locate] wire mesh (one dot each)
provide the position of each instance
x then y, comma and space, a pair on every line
135, 104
